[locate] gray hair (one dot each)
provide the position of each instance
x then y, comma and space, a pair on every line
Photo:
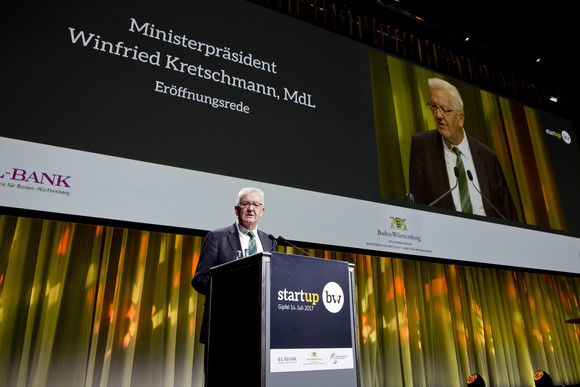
440, 84
246, 190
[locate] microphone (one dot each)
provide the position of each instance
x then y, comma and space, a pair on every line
470, 176
456, 173
285, 242
275, 242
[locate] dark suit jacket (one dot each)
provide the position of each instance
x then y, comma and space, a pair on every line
428, 175
219, 247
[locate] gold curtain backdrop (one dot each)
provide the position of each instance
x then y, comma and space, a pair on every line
85, 305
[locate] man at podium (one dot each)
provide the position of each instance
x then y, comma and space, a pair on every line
229, 243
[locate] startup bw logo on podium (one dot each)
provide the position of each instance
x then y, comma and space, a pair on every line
311, 303
332, 298
310, 316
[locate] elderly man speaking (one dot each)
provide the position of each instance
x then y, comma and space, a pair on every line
447, 157
232, 242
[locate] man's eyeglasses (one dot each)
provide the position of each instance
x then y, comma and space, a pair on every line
248, 204
443, 110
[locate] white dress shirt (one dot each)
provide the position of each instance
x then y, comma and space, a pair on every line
245, 239
450, 162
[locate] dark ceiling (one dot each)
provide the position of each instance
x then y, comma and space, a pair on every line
510, 35
520, 32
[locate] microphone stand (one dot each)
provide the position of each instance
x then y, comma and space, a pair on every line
456, 173
470, 176
286, 242
274, 242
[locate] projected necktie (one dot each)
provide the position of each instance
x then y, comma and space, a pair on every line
252, 248
463, 188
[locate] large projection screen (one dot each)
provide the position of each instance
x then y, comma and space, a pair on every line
158, 113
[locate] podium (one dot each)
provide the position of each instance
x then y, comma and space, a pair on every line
282, 320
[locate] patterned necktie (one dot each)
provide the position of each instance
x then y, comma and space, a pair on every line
463, 188
252, 248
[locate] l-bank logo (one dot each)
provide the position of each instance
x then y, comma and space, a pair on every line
36, 181
36, 177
